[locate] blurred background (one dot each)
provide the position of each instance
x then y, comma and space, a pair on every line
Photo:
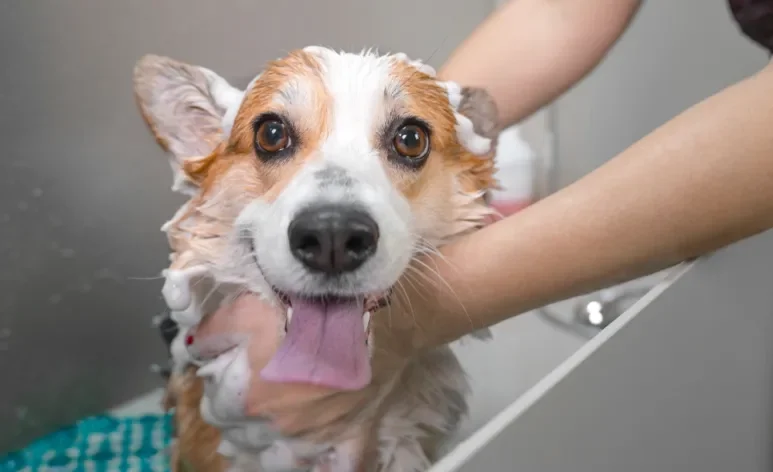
84, 188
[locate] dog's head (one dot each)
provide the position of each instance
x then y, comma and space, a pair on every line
318, 185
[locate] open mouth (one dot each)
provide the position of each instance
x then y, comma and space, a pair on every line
325, 343
369, 303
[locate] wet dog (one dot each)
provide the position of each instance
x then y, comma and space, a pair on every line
314, 188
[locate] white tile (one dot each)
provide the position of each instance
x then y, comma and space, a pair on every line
149, 403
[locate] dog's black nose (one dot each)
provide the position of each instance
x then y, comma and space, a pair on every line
333, 239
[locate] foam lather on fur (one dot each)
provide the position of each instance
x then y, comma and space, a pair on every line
343, 112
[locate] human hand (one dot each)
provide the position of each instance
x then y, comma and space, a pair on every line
294, 408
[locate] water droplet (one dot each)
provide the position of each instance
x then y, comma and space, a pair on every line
55, 299
37, 192
86, 288
5, 218
22, 206
54, 246
21, 412
5, 333
67, 252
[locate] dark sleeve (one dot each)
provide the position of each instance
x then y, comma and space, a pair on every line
755, 18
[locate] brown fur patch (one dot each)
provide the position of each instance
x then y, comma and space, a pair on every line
423, 97
196, 446
268, 179
428, 100
278, 76
232, 173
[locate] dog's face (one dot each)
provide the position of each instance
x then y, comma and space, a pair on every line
329, 173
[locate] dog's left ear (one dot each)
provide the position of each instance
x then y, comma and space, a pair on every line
480, 108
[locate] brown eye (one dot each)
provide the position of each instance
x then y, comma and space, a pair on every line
271, 136
412, 142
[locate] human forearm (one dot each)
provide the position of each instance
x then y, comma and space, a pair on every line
530, 51
698, 183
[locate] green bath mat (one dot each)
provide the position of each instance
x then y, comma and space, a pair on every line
98, 444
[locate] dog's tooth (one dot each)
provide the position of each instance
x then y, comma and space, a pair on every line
288, 318
366, 321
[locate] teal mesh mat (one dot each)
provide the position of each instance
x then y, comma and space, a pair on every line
98, 444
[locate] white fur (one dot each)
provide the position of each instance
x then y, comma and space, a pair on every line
474, 142
224, 94
356, 83
233, 107
419, 65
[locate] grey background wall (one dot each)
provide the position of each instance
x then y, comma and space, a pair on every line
84, 189
675, 54
685, 384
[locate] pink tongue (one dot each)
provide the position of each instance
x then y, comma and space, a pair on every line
324, 345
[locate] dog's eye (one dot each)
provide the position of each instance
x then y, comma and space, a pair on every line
271, 135
412, 142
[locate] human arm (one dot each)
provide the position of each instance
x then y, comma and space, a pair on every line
700, 182
529, 52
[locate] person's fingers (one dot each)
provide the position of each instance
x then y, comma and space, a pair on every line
248, 313
264, 397
292, 408
293, 412
248, 319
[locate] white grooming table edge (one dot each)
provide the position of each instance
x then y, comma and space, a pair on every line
684, 373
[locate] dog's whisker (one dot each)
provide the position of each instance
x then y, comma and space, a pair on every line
149, 278
237, 222
411, 308
419, 281
389, 311
434, 250
442, 280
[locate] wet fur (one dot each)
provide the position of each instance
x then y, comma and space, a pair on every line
414, 413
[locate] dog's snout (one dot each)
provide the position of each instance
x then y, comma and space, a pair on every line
333, 239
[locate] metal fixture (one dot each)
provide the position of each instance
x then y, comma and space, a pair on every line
595, 311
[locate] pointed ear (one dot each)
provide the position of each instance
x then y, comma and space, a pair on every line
184, 106
480, 108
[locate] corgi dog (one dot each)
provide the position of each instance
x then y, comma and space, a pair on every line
314, 188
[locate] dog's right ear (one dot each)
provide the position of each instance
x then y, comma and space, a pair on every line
184, 107
478, 105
